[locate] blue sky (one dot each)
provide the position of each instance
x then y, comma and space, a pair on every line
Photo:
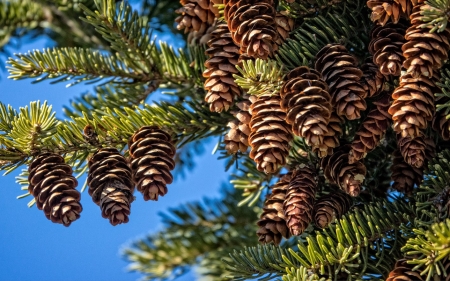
33, 248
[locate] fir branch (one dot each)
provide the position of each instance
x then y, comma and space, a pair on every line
443, 97
20, 14
193, 232
433, 248
302, 8
69, 63
435, 15
315, 33
352, 245
36, 129
260, 77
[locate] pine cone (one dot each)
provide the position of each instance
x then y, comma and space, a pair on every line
151, 152
237, 137
285, 25
272, 223
330, 207
424, 52
220, 67
416, 151
299, 201
110, 184
306, 101
383, 10
52, 185
403, 272
386, 47
340, 72
413, 104
349, 177
372, 79
270, 135
331, 137
195, 15
404, 176
371, 130
252, 25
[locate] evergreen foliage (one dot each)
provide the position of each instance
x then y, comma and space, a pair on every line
114, 47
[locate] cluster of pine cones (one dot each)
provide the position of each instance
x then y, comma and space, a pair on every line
315, 102
111, 177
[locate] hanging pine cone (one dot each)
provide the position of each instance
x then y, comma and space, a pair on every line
416, 151
330, 207
151, 152
383, 10
386, 47
220, 67
413, 104
330, 138
237, 137
403, 272
306, 101
285, 25
52, 185
195, 15
349, 177
372, 79
270, 135
252, 25
299, 201
371, 130
110, 184
272, 223
404, 176
339, 70
424, 51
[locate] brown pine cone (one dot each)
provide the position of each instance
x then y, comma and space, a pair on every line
383, 10
195, 15
339, 70
330, 138
151, 151
371, 131
337, 170
299, 202
372, 79
413, 104
252, 25
424, 52
53, 186
306, 101
285, 25
220, 67
386, 47
416, 151
237, 137
330, 207
272, 222
270, 134
110, 184
403, 272
404, 176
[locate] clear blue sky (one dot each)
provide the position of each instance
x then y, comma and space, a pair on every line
33, 248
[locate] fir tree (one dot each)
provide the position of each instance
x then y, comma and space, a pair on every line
332, 115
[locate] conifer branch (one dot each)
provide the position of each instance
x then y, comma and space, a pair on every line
435, 15
349, 245
260, 77
69, 63
319, 31
195, 232
433, 248
20, 14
